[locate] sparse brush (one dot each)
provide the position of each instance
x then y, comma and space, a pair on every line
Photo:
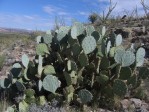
2, 60
93, 17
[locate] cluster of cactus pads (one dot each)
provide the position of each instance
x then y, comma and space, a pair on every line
76, 64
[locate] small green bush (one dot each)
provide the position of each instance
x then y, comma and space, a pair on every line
2, 60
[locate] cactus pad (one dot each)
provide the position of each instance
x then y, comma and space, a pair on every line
20, 86
89, 30
41, 100
85, 96
88, 44
69, 92
41, 49
118, 40
4, 83
83, 59
16, 70
103, 30
105, 63
71, 78
140, 57
77, 30
108, 46
125, 73
144, 72
119, 88
76, 49
102, 79
25, 60
112, 52
49, 69
51, 83
126, 58
39, 85
62, 32
71, 66
48, 39
38, 39
23, 106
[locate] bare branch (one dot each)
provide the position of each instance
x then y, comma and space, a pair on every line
145, 7
111, 8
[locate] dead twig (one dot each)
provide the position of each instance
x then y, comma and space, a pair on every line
145, 7
111, 8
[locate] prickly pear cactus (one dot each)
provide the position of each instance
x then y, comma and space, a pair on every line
140, 57
125, 73
144, 72
49, 69
10, 109
51, 83
38, 39
20, 86
88, 44
102, 79
128, 58
76, 64
25, 60
62, 32
125, 58
71, 66
40, 67
40, 85
119, 88
83, 59
118, 40
108, 46
4, 83
76, 30
41, 100
23, 106
69, 92
76, 49
42, 49
85, 96
118, 55
103, 30
48, 38
89, 30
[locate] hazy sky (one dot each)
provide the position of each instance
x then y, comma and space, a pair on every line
41, 14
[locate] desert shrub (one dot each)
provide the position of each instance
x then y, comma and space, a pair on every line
2, 60
93, 17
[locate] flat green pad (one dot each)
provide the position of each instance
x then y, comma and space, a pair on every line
144, 72
140, 57
119, 88
49, 69
76, 30
51, 83
89, 44
83, 59
85, 96
25, 60
125, 73
41, 49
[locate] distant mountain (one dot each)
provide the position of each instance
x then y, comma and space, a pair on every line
14, 30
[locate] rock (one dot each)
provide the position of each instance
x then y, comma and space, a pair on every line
136, 102
124, 34
125, 103
131, 108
